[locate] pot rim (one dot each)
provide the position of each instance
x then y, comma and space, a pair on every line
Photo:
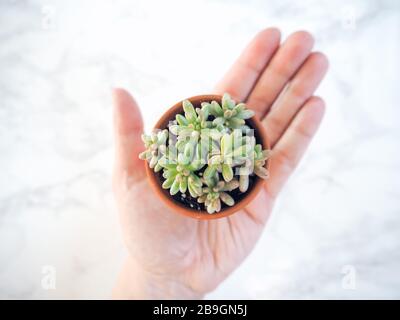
181, 208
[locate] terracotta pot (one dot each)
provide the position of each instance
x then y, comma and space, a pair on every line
156, 178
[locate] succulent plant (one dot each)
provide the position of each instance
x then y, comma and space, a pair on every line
192, 121
260, 158
180, 176
207, 153
155, 144
228, 114
232, 152
254, 163
216, 192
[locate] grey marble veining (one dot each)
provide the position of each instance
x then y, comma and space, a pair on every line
339, 216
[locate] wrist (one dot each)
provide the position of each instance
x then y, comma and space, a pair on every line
136, 283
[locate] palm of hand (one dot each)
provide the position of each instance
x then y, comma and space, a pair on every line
278, 83
202, 253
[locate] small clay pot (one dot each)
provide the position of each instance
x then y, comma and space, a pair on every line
156, 179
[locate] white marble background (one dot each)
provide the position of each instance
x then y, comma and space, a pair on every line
339, 217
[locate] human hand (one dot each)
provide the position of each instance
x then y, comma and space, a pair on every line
173, 256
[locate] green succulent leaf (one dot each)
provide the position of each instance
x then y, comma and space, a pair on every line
174, 129
237, 138
243, 183
245, 114
227, 199
231, 185
183, 185
154, 137
183, 159
226, 144
216, 109
157, 168
227, 102
166, 163
190, 113
213, 206
182, 121
174, 187
215, 160
239, 152
261, 172
146, 138
162, 137
265, 154
219, 121
227, 172
239, 107
194, 190
235, 123
168, 182
202, 198
209, 172
153, 161
204, 112
228, 114
189, 150
195, 180
145, 155
184, 132
258, 148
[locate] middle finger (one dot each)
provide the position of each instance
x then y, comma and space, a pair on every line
281, 68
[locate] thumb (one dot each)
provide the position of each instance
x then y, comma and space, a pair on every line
128, 127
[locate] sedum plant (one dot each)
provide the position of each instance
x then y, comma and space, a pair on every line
217, 192
207, 154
